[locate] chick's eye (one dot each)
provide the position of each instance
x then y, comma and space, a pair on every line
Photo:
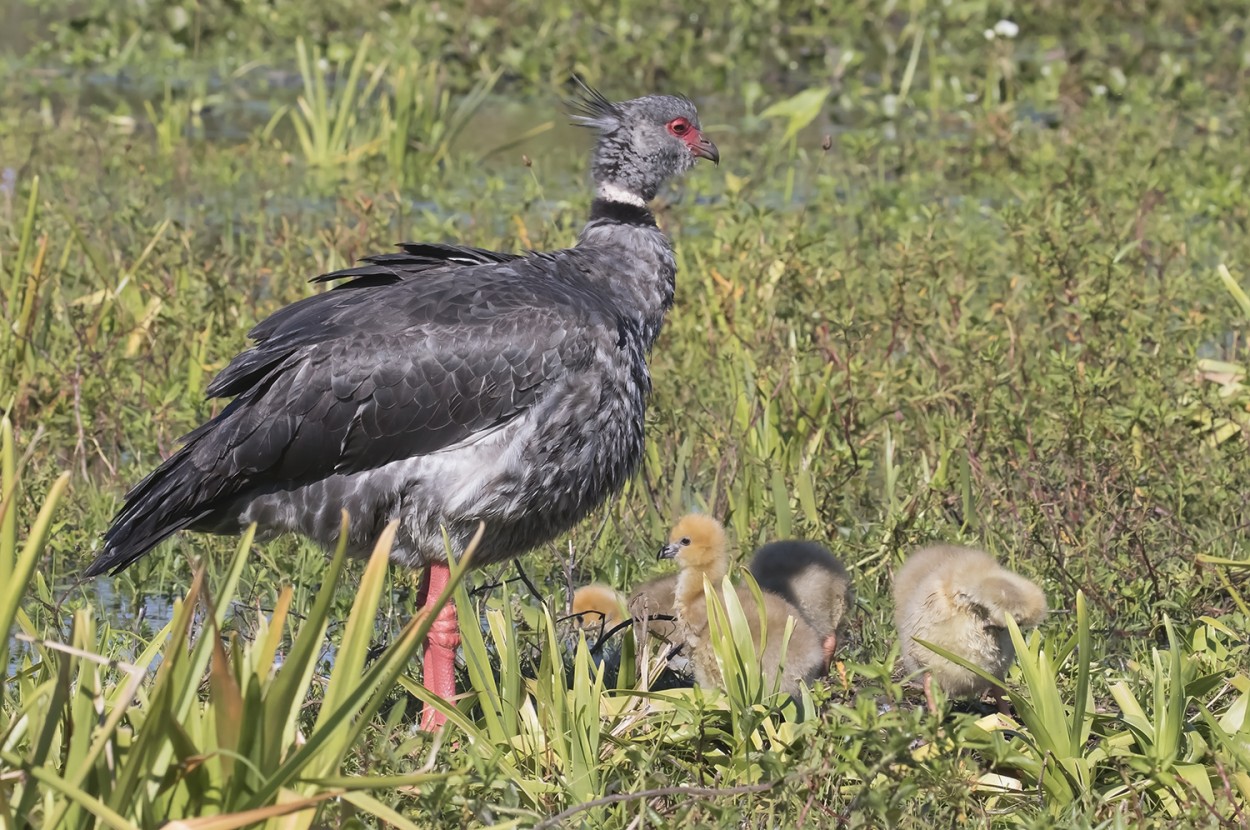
685, 540
679, 126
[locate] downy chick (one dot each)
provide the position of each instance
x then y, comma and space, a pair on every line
958, 598
597, 611
652, 605
813, 580
655, 602
598, 607
698, 545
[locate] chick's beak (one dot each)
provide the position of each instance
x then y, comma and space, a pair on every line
669, 551
703, 148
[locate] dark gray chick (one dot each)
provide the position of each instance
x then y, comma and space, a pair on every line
813, 580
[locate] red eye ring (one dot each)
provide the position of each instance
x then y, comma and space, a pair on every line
679, 127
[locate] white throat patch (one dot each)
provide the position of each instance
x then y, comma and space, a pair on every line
613, 193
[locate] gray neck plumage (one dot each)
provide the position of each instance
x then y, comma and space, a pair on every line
643, 275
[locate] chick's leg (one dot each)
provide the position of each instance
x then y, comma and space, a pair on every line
1000, 701
928, 694
830, 646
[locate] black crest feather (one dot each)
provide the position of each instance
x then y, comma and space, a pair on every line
588, 108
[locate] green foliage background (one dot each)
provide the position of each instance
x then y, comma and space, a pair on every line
950, 282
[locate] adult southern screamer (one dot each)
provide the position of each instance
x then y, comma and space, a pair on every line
445, 385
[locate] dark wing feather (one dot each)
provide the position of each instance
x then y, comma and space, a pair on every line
360, 402
414, 258
348, 381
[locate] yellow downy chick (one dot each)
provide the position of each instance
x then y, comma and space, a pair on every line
598, 607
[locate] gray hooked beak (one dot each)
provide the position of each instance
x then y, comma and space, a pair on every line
669, 551
705, 149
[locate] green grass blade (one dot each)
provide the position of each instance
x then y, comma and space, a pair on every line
102, 812
1082, 696
380, 676
8, 504
1234, 288
21, 567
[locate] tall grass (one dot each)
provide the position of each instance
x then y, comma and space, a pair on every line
421, 120
20, 296
331, 131
402, 111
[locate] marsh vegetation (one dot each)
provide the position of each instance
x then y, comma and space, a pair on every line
969, 271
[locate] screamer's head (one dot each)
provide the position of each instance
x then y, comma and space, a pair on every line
643, 142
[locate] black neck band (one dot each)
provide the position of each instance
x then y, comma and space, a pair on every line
620, 212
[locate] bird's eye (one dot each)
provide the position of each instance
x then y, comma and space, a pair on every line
679, 126
685, 540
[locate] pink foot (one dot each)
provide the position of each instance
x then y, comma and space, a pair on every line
439, 666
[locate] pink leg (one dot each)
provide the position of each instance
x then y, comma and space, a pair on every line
1000, 700
928, 694
830, 646
439, 666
